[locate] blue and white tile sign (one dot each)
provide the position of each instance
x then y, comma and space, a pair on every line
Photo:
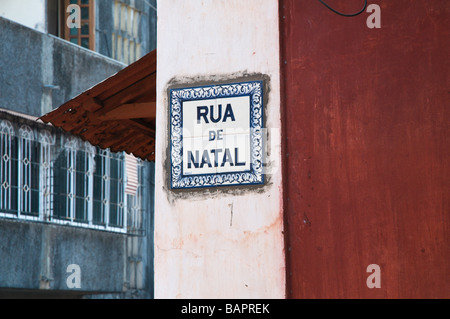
217, 135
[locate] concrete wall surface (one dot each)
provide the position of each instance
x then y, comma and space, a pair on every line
39, 257
39, 72
218, 242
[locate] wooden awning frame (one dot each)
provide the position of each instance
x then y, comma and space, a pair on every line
117, 114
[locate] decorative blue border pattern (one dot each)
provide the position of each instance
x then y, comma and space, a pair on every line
255, 176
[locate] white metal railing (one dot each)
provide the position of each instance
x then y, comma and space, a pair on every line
61, 179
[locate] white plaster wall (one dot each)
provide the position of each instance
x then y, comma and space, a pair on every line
30, 13
225, 243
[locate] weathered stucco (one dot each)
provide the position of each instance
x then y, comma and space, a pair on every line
39, 72
38, 258
224, 242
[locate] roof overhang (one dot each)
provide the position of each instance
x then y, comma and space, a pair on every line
118, 113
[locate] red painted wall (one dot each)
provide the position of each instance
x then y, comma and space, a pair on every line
366, 148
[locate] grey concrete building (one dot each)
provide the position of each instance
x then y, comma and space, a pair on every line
73, 221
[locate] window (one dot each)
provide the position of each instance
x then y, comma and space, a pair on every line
83, 36
117, 190
73, 182
47, 142
109, 189
125, 38
89, 185
62, 179
29, 179
9, 168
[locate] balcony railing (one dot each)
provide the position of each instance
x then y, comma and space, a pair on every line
49, 176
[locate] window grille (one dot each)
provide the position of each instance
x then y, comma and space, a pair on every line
109, 189
55, 178
29, 161
126, 41
9, 168
63, 181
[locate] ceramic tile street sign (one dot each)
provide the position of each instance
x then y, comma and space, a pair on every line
216, 135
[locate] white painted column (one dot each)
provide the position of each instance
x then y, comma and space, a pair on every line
224, 242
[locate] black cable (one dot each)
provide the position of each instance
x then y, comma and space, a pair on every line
344, 14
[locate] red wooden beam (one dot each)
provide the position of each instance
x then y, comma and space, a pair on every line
131, 111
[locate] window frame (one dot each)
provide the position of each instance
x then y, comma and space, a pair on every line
27, 144
7, 138
91, 22
72, 147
